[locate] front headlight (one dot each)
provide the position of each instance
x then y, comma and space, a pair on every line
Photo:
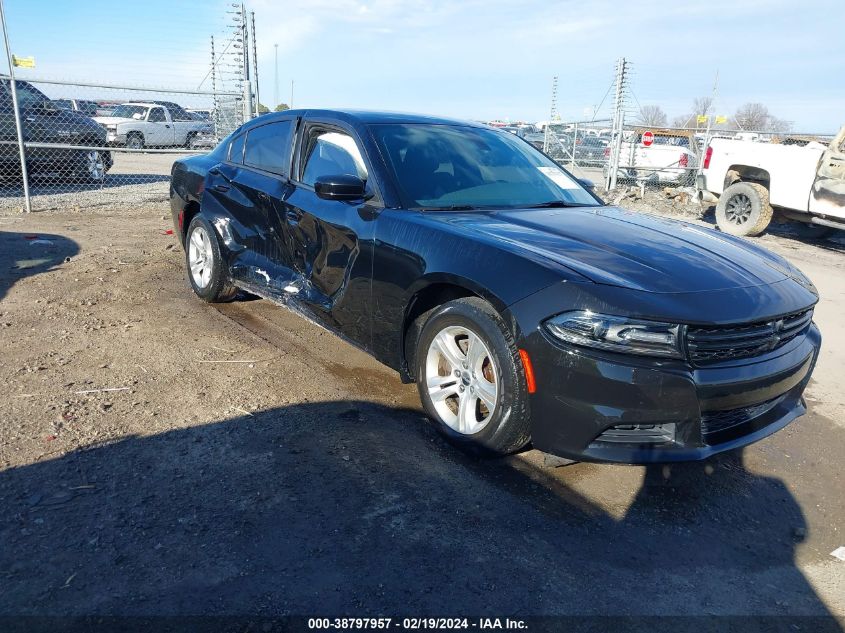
617, 334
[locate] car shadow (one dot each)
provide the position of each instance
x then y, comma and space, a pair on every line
27, 254
352, 508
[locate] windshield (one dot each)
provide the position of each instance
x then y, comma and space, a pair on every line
126, 111
450, 166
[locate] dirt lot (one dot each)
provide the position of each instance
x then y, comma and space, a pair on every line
160, 455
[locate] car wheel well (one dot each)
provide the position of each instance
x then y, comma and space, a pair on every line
746, 173
422, 302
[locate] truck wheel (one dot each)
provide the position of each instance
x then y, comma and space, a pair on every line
189, 140
134, 141
744, 209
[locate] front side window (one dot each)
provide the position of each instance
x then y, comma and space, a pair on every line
157, 115
332, 154
268, 147
450, 166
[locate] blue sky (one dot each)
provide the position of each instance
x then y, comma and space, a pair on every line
468, 59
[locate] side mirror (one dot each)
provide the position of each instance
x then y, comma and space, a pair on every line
137, 116
589, 185
341, 187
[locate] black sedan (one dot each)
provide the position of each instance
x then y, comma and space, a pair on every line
524, 308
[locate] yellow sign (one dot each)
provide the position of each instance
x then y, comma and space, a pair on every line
23, 62
721, 119
702, 118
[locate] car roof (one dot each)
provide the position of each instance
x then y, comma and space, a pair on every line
367, 117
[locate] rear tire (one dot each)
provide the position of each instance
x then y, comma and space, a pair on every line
485, 408
743, 209
204, 263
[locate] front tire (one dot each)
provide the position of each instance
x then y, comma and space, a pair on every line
134, 141
204, 262
470, 377
743, 209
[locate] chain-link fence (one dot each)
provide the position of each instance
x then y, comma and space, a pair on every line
88, 144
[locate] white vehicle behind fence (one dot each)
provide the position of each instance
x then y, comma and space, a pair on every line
670, 158
806, 183
153, 124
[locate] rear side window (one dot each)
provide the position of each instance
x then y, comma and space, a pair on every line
236, 150
268, 147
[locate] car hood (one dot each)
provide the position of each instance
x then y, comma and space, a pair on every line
112, 120
609, 245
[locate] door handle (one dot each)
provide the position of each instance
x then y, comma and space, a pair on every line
221, 188
214, 171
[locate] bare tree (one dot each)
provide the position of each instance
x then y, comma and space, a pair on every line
652, 116
779, 126
702, 105
752, 116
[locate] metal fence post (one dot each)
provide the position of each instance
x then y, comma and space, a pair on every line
25, 177
618, 124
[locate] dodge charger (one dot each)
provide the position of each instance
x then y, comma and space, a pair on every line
526, 310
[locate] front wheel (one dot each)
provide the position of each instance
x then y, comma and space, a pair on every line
470, 377
95, 166
744, 209
206, 268
135, 141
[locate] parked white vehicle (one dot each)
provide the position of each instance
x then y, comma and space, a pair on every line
669, 159
806, 183
158, 124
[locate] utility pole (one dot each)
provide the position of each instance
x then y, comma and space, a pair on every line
276, 82
552, 115
291, 94
215, 113
255, 62
247, 85
26, 202
618, 122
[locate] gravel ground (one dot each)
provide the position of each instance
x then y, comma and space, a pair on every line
162, 456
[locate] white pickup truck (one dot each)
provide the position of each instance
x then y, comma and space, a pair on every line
668, 158
156, 124
806, 183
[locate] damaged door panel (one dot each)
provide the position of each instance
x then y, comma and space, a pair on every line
828, 194
330, 241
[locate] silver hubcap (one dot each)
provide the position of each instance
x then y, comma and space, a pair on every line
200, 257
738, 209
461, 379
96, 166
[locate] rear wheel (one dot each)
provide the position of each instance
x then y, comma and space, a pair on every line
744, 209
206, 268
470, 377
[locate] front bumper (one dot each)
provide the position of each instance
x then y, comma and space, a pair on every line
593, 406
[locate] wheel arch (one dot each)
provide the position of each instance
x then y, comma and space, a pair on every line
746, 173
432, 291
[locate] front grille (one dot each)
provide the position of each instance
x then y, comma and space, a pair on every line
715, 421
712, 344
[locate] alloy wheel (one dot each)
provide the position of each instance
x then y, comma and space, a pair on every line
461, 379
738, 209
200, 257
95, 165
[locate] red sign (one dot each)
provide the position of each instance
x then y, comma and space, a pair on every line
648, 138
